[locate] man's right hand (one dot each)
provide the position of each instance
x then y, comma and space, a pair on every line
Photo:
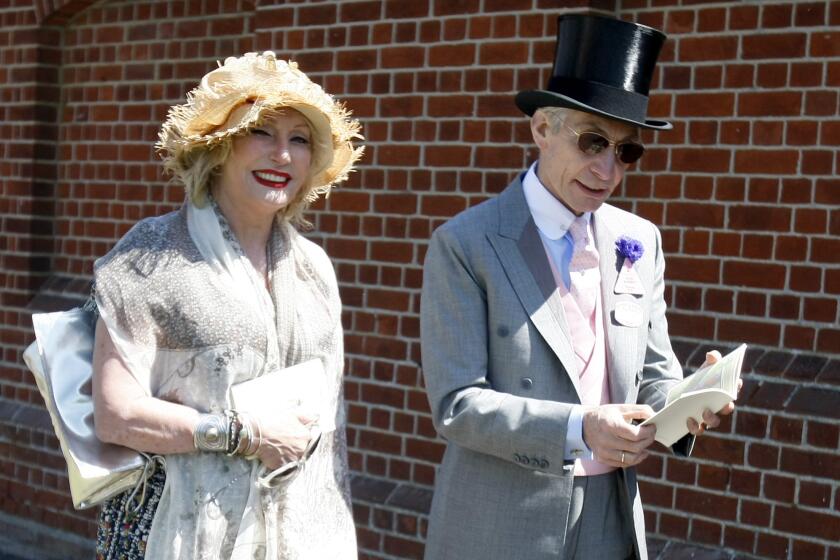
613, 439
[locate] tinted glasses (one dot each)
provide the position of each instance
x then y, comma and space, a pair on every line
592, 144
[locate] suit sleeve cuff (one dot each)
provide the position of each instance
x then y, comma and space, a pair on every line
576, 448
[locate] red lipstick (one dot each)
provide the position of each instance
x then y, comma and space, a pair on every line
271, 178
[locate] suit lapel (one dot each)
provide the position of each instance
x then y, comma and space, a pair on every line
522, 255
621, 341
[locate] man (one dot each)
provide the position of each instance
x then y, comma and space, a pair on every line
543, 340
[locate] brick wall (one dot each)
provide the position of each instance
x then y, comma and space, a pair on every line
744, 189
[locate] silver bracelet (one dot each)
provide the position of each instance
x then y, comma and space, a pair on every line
211, 433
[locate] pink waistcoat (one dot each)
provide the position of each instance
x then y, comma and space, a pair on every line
594, 382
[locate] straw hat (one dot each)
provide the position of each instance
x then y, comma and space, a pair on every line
235, 96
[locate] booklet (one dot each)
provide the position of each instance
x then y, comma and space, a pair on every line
303, 384
711, 387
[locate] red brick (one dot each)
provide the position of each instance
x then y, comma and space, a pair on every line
758, 247
360, 11
766, 45
805, 522
825, 44
776, 16
825, 250
700, 159
402, 155
447, 156
755, 513
452, 55
695, 215
673, 526
681, 21
703, 132
738, 538
743, 17
402, 57
758, 275
487, 157
770, 104
739, 75
703, 49
718, 300
823, 103
822, 434
766, 161
324, 14
802, 133
806, 74
772, 546
759, 218
711, 19
707, 504
705, 105
749, 331
451, 106
503, 53
399, 9
402, 106
828, 339
455, 7
811, 14
827, 191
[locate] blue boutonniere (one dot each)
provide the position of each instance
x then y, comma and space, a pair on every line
629, 248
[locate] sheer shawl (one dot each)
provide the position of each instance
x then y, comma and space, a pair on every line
190, 317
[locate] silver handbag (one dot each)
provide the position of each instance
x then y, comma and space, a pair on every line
61, 361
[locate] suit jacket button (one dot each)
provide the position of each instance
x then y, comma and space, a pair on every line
543, 464
525, 460
517, 458
527, 382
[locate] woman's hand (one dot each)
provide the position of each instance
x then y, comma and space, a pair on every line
285, 436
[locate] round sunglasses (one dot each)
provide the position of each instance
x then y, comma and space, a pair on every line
592, 144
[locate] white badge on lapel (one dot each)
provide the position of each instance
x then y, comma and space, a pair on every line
628, 314
628, 281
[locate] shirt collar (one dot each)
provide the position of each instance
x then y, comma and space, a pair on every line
551, 217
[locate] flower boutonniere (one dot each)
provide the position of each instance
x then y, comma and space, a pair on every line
629, 248
628, 281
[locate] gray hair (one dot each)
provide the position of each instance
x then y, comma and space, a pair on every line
556, 117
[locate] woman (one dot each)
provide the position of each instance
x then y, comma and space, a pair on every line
220, 292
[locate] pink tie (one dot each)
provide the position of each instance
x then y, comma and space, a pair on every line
585, 280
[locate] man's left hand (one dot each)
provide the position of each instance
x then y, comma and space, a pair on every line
710, 419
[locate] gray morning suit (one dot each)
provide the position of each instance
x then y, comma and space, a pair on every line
501, 376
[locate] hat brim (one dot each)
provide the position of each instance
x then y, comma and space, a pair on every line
529, 101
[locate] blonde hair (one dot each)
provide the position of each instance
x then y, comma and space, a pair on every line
197, 169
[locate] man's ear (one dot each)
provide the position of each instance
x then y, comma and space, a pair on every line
540, 129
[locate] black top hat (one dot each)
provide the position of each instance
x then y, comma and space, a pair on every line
601, 66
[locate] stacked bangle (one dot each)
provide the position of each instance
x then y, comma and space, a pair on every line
230, 432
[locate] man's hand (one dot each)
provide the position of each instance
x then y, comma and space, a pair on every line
710, 419
608, 432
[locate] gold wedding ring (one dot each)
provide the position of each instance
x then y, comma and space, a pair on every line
622, 457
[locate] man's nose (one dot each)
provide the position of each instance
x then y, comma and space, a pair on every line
605, 165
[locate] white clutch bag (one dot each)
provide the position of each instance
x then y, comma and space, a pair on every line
61, 362
303, 384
